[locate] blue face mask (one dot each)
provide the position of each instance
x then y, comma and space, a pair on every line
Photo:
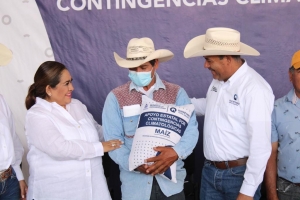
141, 79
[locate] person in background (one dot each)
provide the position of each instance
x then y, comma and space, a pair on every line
65, 152
12, 183
120, 118
237, 109
283, 166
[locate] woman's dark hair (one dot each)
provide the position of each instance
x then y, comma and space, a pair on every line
48, 73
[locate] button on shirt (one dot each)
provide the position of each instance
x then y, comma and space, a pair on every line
64, 153
137, 186
238, 123
286, 131
11, 149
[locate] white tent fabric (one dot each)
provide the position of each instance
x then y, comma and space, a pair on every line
24, 33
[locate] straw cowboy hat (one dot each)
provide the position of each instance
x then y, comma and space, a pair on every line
218, 41
5, 55
140, 51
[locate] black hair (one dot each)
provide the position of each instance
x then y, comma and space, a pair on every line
48, 73
152, 62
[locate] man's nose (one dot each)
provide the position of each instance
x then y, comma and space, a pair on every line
206, 65
138, 70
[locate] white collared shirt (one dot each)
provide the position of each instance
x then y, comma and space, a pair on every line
11, 149
238, 123
64, 153
148, 93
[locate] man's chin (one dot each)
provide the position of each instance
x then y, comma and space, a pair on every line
215, 77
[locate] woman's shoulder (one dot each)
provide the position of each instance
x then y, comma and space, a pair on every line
76, 102
41, 107
37, 109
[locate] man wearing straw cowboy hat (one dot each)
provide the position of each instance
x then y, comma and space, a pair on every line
121, 114
237, 109
12, 184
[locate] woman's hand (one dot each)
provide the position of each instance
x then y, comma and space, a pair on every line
111, 145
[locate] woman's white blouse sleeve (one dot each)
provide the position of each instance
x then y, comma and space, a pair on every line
44, 135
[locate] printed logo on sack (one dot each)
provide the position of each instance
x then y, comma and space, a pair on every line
214, 89
146, 107
173, 109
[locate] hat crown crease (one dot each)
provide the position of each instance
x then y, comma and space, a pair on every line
139, 51
218, 41
221, 40
139, 48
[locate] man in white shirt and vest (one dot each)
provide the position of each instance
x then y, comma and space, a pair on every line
12, 184
237, 109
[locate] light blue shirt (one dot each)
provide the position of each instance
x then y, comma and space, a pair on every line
137, 186
286, 130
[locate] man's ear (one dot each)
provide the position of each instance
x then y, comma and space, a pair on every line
290, 76
228, 59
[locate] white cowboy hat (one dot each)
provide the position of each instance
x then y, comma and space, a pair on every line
218, 41
140, 51
5, 55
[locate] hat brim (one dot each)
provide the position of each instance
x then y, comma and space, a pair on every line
162, 55
296, 65
195, 47
5, 55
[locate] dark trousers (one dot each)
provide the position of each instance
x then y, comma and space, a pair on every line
287, 190
157, 194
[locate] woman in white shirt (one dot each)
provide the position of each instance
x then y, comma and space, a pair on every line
64, 140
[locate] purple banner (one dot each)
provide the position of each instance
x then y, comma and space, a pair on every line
85, 33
